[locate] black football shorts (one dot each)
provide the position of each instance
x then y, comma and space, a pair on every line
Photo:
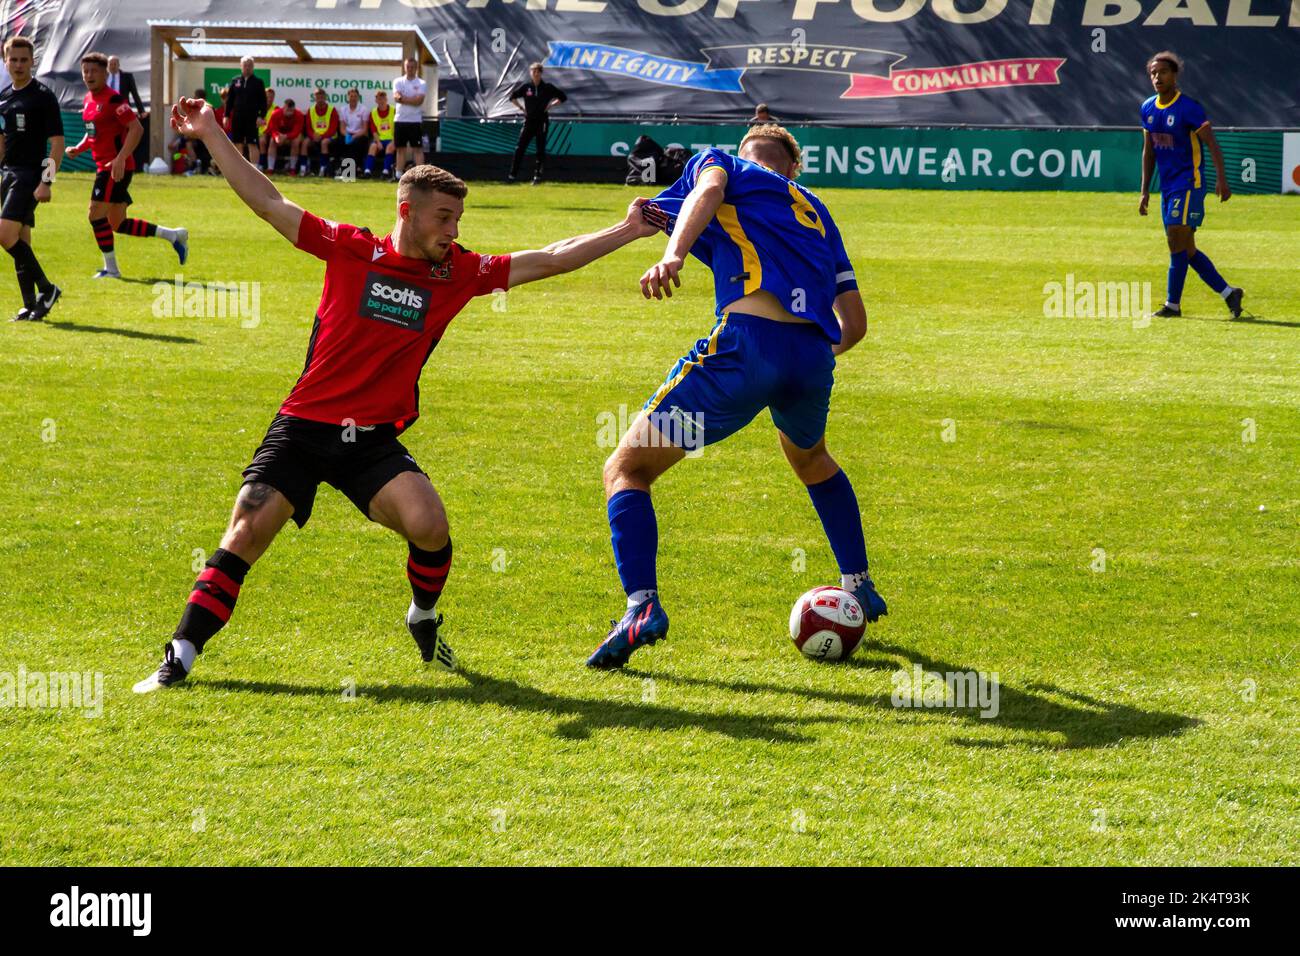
120, 192
18, 194
408, 134
297, 455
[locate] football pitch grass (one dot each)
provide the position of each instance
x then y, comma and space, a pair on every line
1102, 512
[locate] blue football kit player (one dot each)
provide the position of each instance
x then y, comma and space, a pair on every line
787, 304
1175, 135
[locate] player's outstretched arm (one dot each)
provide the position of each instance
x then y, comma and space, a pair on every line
1148, 168
698, 210
569, 254
1221, 187
195, 118
852, 314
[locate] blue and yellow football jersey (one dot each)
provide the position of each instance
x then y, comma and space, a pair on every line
769, 233
1179, 157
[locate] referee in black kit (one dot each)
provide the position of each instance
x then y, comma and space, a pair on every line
535, 99
29, 112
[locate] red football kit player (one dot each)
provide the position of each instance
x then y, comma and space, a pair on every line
286, 127
112, 133
385, 305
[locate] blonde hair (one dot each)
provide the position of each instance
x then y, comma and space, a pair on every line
775, 132
430, 179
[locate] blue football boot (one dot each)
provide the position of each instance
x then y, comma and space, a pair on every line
641, 625
873, 605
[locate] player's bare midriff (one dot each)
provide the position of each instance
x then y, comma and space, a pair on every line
765, 305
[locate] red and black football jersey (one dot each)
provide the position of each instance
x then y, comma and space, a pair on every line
107, 114
380, 316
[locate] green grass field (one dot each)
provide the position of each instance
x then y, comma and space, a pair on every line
1148, 711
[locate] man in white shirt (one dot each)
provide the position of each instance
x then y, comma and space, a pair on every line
409, 92
353, 117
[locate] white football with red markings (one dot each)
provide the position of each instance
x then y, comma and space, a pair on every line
827, 623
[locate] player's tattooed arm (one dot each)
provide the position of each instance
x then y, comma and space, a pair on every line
569, 254
1221, 187
698, 210
194, 118
852, 315
1148, 169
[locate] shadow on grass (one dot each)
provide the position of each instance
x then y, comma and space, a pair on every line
1036, 708
1246, 320
581, 715
125, 333
152, 281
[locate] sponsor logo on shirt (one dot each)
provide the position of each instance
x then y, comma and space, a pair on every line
388, 299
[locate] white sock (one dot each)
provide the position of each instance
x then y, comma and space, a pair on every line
850, 582
1172, 305
165, 232
110, 261
416, 613
1227, 291
636, 597
186, 652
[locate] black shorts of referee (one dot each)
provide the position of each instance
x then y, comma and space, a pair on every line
18, 193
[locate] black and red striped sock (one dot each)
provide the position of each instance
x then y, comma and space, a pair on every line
427, 572
103, 234
213, 598
137, 227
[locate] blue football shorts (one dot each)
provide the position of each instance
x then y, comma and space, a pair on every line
745, 364
1183, 207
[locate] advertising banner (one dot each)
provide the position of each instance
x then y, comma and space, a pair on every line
986, 63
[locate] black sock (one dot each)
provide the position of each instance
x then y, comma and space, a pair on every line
30, 274
427, 572
213, 598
